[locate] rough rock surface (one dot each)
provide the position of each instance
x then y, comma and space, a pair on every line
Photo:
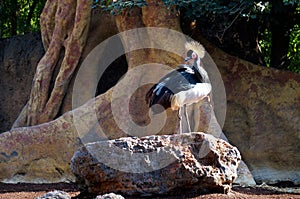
263, 117
110, 196
55, 195
36, 157
18, 60
153, 165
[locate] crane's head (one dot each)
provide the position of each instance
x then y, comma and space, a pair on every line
195, 52
192, 58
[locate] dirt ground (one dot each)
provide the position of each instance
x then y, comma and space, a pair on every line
31, 191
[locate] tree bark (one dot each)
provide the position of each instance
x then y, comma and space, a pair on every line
64, 26
14, 17
153, 15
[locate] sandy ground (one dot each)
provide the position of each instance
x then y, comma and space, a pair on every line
31, 191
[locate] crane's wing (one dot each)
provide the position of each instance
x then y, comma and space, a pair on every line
182, 79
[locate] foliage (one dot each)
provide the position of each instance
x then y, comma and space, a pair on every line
294, 51
19, 16
116, 6
294, 48
193, 8
254, 9
22, 16
265, 45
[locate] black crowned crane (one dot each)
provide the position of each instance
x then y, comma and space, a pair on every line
186, 85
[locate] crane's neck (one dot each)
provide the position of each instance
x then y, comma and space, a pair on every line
197, 62
201, 70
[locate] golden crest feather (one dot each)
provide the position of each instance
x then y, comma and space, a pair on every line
196, 47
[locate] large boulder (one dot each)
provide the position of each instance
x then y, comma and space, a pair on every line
153, 165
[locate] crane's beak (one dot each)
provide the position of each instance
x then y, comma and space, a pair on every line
187, 59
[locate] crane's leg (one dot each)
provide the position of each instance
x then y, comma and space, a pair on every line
180, 120
187, 118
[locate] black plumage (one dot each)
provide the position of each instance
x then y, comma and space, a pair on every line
181, 79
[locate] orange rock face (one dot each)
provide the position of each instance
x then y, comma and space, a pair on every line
263, 117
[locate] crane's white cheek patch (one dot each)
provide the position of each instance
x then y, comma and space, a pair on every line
193, 95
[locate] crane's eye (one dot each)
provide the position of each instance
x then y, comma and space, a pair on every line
194, 55
189, 53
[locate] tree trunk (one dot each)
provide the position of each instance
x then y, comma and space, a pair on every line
281, 25
30, 15
14, 17
153, 15
280, 46
64, 27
